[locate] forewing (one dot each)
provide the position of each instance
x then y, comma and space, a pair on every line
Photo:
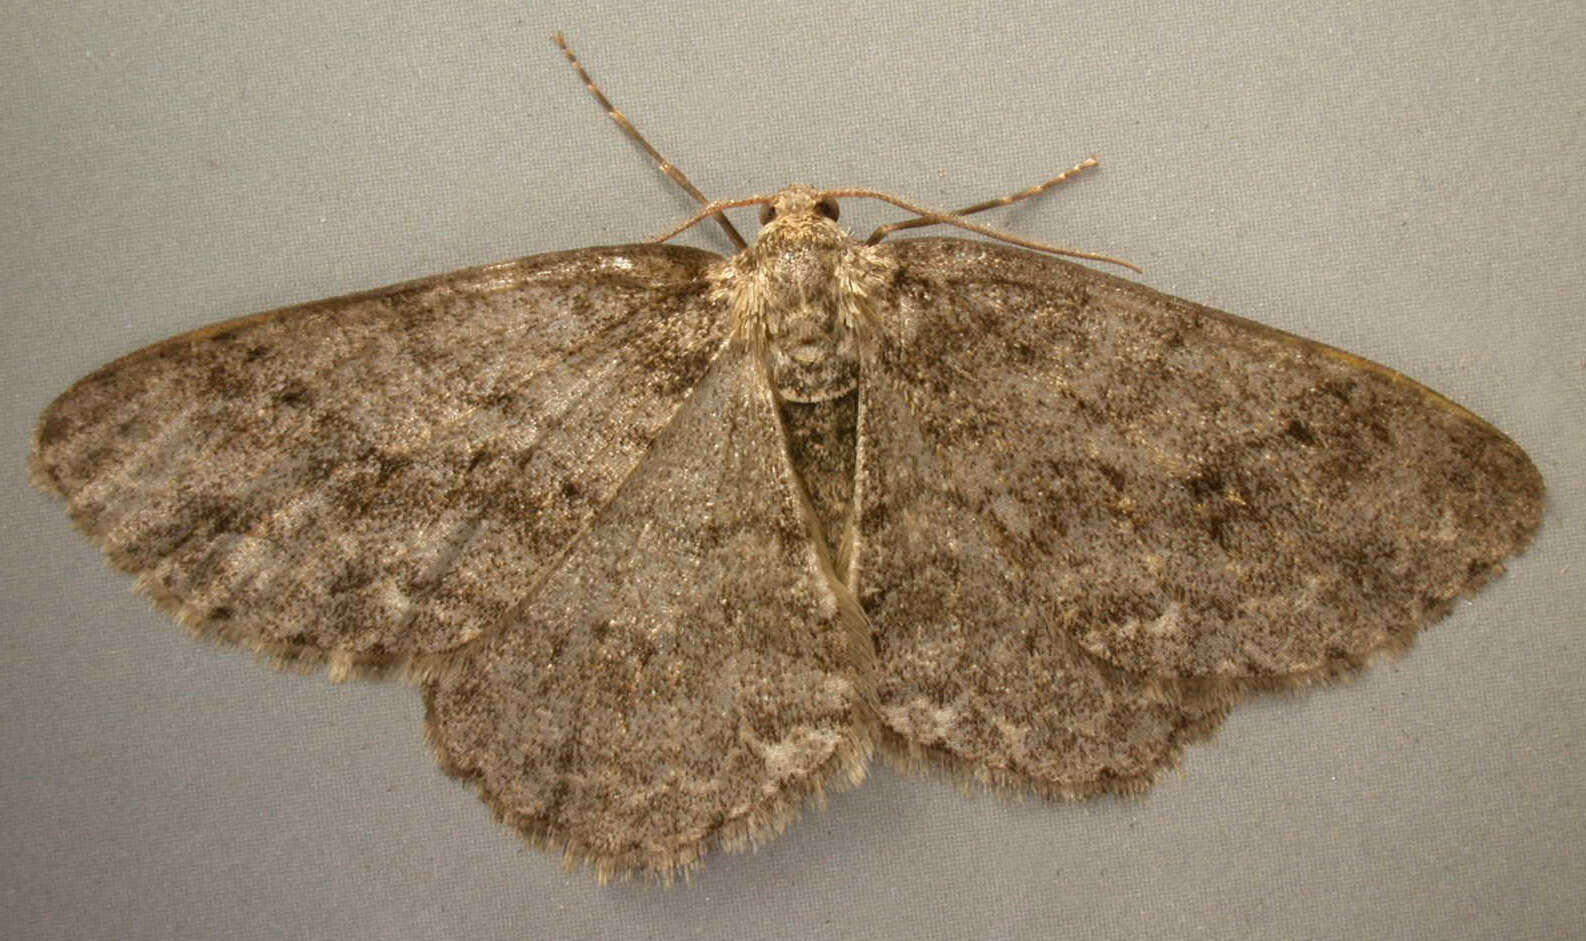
376, 479
1204, 497
686, 674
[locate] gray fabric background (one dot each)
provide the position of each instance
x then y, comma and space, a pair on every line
1404, 183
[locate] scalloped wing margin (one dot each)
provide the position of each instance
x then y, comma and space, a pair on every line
687, 676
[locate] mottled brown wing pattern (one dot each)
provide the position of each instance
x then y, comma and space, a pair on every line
372, 480
973, 674
686, 675
1201, 496
658, 597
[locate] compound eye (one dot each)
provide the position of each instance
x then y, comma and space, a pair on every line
767, 213
828, 208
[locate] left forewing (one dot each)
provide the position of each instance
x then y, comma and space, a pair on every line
375, 480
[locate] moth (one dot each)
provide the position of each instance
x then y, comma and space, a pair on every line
673, 542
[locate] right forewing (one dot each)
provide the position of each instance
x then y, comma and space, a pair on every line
1208, 499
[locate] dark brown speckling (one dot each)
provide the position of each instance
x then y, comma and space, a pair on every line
674, 542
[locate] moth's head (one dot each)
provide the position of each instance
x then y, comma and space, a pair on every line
799, 214
803, 291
